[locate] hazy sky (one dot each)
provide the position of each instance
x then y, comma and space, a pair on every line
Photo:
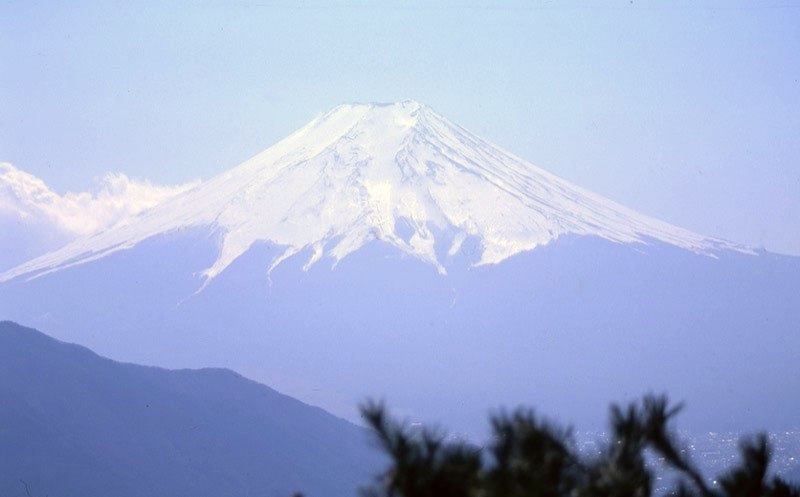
688, 113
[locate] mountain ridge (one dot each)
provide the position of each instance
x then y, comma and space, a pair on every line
76, 423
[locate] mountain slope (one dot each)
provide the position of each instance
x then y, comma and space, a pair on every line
564, 327
399, 173
73, 423
383, 251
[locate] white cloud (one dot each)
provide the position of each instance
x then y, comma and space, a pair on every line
34, 219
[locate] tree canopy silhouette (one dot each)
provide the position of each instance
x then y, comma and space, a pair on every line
531, 457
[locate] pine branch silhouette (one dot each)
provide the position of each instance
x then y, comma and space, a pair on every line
532, 457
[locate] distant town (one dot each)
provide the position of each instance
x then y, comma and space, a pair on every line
715, 452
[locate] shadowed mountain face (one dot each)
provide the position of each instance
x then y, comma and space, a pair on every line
75, 424
565, 327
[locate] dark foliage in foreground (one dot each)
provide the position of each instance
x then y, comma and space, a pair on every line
532, 457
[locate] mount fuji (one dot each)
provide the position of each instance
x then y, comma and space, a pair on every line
383, 250
397, 173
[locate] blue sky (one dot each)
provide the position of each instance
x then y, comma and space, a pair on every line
688, 112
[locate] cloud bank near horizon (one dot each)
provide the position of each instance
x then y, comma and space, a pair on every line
34, 219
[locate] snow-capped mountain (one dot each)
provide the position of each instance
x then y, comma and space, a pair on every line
399, 173
384, 251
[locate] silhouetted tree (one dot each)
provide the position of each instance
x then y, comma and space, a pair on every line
423, 465
531, 457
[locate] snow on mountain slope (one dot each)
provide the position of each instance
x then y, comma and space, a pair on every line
399, 173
